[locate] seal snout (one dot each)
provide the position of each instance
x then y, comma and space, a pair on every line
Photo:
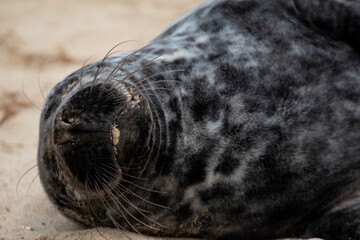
78, 133
83, 137
100, 134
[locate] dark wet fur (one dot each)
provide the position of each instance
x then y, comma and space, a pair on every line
247, 128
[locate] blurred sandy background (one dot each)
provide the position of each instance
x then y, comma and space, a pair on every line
41, 42
44, 41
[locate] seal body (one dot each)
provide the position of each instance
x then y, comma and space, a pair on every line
240, 121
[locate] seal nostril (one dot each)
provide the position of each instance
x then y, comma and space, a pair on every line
68, 120
63, 133
63, 125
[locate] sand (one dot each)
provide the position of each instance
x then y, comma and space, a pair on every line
41, 42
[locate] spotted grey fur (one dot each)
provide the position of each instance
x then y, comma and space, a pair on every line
258, 138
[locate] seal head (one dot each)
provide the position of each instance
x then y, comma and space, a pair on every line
91, 135
93, 116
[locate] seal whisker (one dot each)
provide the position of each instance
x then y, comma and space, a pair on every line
101, 65
27, 97
88, 205
135, 177
102, 62
114, 176
111, 98
127, 181
123, 207
109, 167
92, 220
88, 201
104, 164
150, 94
153, 144
41, 91
130, 168
295, 7
107, 55
140, 68
146, 67
142, 91
143, 188
118, 226
105, 167
118, 67
143, 66
113, 76
82, 72
122, 196
156, 88
160, 81
127, 59
31, 183
22, 176
123, 62
138, 196
98, 192
75, 178
107, 203
156, 74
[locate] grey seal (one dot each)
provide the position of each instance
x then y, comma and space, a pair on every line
240, 121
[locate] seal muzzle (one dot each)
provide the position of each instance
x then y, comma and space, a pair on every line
93, 133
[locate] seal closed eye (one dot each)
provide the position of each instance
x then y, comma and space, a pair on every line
240, 121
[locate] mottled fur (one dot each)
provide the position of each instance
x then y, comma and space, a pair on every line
259, 137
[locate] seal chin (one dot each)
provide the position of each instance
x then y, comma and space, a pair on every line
94, 133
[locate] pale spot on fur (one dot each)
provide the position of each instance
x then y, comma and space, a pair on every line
71, 86
238, 174
189, 193
251, 63
115, 133
214, 126
78, 195
211, 178
178, 55
115, 150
